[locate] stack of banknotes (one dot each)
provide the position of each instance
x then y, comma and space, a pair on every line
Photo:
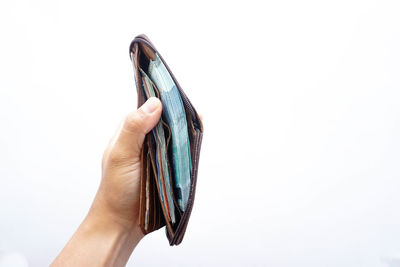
171, 133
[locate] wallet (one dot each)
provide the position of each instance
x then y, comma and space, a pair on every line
154, 211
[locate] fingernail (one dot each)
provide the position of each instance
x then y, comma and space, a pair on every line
150, 105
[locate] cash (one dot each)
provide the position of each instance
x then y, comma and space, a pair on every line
175, 117
163, 178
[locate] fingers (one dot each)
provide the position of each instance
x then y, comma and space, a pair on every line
128, 140
137, 124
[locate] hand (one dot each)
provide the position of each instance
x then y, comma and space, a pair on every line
111, 231
118, 194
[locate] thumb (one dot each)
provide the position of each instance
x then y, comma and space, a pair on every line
137, 124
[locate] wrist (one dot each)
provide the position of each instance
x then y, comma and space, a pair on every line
116, 240
106, 222
101, 240
103, 216
118, 215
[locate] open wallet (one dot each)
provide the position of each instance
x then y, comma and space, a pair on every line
170, 153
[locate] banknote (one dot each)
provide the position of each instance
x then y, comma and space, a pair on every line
161, 157
175, 117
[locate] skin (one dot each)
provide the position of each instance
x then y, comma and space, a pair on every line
110, 231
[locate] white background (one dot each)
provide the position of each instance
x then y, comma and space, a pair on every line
300, 99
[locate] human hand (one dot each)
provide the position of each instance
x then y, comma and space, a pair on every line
111, 231
118, 194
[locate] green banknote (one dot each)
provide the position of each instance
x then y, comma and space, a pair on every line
175, 117
161, 158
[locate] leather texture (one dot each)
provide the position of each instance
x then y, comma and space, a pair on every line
141, 51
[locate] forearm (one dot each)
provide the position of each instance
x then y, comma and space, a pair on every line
99, 242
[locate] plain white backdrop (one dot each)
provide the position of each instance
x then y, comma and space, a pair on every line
300, 99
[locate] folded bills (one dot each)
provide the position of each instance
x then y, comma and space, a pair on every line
163, 178
174, 115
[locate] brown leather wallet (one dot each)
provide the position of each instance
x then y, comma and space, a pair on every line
152, 215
